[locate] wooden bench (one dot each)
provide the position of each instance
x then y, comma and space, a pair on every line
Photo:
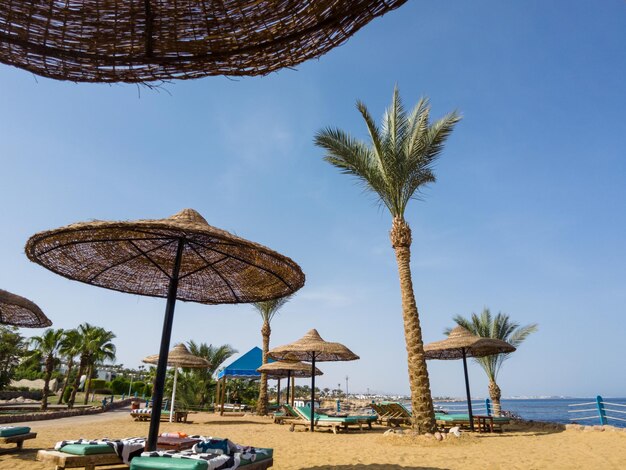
62, 460
18, 439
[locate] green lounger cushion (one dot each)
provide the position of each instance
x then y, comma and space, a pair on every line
464, 417
87, 449
268, 454
167, 463
9, 431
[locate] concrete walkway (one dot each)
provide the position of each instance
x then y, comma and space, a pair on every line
119, 413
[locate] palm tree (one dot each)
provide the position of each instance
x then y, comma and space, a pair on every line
267, 309
498, 327
46, 347
70, 347
95, 343
216, 355
394, 165
100, 349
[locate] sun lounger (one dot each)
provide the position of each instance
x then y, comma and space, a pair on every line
144, 414
451, 420
90, 454
288, 414
334, 423
62, 460
15, 435
389, 415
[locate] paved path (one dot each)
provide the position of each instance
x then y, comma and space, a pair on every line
119, 413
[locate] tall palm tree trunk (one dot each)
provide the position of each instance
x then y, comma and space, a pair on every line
495, 394
70, 365
88, 383
46, 382
81, 369
421, 401
262, 406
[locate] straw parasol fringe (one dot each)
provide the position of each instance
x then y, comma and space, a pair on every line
19, 311
138, 256
310, 346
141, 41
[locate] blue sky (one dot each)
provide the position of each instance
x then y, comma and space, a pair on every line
527, 216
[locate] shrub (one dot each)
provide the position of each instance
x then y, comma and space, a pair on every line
103, 391
67, 393
97, 383
119, 385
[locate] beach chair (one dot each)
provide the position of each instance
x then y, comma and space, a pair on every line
334, 423
15, 435
482, 423
399, 414
144, 414
286, 415
387, 416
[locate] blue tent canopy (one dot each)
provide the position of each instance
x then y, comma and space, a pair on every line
245, 367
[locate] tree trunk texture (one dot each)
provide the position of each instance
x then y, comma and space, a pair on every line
81, 369
66, 381
262, 406
495, 394
423, 420
88, 383
46, 382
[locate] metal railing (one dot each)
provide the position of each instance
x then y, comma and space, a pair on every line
601, 411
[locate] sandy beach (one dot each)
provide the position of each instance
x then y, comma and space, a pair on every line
529, 448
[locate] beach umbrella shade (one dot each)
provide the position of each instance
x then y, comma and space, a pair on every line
179, 357
19, 311
312, 348
138, 41
461, 344
289, 367
180, 257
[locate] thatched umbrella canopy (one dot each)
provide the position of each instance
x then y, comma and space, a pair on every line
290, 368
181, 257
311, 348
146, 40
19, 311
461, 344
179, 357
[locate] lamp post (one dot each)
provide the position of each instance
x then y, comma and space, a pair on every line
347, 387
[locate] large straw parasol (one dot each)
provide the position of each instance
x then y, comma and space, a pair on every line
179, 357
311, 348
181, 257
18, 311
291, 368
146, 40
461, 343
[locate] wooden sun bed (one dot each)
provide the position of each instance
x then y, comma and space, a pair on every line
18, 440
179, 416
335, 424
288, 415
63, 460
389, 415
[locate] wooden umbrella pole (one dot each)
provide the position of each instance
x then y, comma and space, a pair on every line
278, 391
293, 389
313, 394
159, 382
288, 382
467, 391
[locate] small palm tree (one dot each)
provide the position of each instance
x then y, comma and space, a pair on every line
203, 378
395, 164
498, 327
100, 349
46, 348
70, 348
267, 309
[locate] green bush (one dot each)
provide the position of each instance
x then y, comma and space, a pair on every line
67, 393
97, 383
119, 385
103, 391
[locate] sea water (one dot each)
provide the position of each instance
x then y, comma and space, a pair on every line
556, 410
